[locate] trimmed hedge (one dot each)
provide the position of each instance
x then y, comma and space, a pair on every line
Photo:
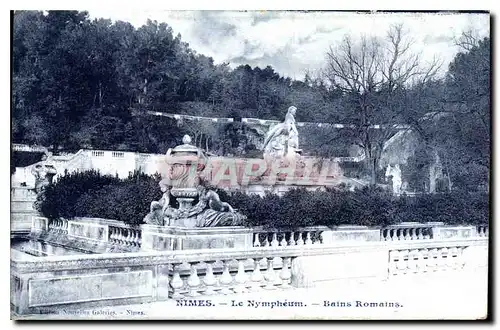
91, 194
365, 207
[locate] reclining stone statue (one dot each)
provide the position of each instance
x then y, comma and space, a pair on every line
218, 213
209, 211
159, 208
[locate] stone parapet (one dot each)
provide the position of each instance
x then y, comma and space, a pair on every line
48, 283
159, 238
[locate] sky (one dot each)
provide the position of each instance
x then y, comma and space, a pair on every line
294, 43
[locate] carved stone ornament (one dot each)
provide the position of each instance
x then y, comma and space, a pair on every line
183, 182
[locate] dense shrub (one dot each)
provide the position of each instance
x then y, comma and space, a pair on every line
457, 207
299, 208
91, 194
366, 207
60, 198
129, 201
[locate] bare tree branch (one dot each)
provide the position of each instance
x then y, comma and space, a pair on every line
373, 70
467, 40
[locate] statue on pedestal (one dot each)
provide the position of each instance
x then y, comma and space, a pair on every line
283, 139
393, 175
44, 173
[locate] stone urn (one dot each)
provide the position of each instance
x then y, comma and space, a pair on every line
184, 165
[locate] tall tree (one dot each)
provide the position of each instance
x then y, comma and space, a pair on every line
467, 104
370, 72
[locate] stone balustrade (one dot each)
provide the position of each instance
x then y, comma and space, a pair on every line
233, 277
301, 236
58, 226
112, 235
407, 231
482, 230
92, 235
143, 277
124, 235
126, 238
404, 261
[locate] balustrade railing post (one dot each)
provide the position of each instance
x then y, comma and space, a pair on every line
270, 275
285, 273
402, 264
393, 259
300, 241
283, 240
240, 278
139, 238
256, 276
419, 235
256, 242
451, 258
176, 282
433, 259
123, 236
405, 236
266, 240
318, 239
225, 279
274, 242
413, 233
443, 255
136, 238
209, 280
114, 236
422, 262
308, 238
412, 261
130, 239
428, 233
193, 280
119, 236
460, 257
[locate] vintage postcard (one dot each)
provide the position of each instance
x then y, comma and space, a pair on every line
272, 165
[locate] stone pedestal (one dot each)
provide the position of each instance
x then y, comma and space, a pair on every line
351, 234
459, 232
159, 238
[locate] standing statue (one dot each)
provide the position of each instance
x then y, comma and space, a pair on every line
393, 176
283, 139
396, 180
44, 174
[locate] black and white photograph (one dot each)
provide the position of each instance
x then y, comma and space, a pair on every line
250, 165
